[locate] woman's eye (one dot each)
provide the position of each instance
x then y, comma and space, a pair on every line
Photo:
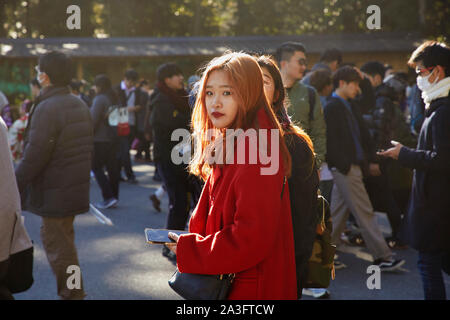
209, 93
227, 93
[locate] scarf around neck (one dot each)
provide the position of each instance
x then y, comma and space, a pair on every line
179, 98
439, 90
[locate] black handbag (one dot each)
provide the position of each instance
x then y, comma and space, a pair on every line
200, 286
19, 276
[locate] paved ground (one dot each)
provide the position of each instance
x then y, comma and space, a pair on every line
118, 264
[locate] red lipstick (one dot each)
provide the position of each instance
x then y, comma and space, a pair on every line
216, 114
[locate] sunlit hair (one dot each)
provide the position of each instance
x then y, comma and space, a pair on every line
281, 101
246, 80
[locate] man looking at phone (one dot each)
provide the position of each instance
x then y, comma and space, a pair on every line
427, 222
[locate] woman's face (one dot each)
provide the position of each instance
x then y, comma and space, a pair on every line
220, 99
269, 85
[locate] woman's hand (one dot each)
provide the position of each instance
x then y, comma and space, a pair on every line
173, 246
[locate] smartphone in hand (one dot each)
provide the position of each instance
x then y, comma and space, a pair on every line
160, 236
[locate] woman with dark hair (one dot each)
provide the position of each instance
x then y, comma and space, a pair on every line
304, 180
105, 143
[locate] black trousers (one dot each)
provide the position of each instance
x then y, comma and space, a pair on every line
106, 157
382, 197
124, 153
176, 184
143, 146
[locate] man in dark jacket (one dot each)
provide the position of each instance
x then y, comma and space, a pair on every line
381, 121
350, 156
55, 167
170, 112
427, 222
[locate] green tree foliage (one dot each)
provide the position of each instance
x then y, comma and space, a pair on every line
156, 18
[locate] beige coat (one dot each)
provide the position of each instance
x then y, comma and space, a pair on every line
11, 225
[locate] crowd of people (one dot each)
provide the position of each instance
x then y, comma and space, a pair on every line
351, 133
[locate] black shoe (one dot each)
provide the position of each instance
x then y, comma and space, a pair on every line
395, 243
132, 180
356, 240
155, 201
169, 254
389, 265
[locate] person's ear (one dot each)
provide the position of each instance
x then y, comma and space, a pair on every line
440, 73
45, 79
283, 64
276, 96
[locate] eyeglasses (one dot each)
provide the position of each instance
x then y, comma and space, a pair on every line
302, 61
420, 72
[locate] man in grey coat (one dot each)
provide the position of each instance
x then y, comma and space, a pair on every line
53, 176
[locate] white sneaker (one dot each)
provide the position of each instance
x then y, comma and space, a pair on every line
317, 293
107, 203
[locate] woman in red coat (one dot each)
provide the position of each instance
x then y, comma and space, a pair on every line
242, 223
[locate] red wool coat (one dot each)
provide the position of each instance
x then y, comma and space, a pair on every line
242, 225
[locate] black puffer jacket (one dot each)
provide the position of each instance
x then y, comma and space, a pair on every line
381, 120
57, 155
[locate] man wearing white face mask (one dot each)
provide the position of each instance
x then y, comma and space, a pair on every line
53, 176
428, 220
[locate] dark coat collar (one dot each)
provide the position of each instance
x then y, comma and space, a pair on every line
435, 104
48, 92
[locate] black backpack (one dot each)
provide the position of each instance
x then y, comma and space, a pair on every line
321, 262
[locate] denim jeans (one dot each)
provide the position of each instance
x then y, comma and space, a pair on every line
430, 267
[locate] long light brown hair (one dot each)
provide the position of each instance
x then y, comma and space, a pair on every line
246, 79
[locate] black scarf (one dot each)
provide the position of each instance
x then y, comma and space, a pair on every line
179, 98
